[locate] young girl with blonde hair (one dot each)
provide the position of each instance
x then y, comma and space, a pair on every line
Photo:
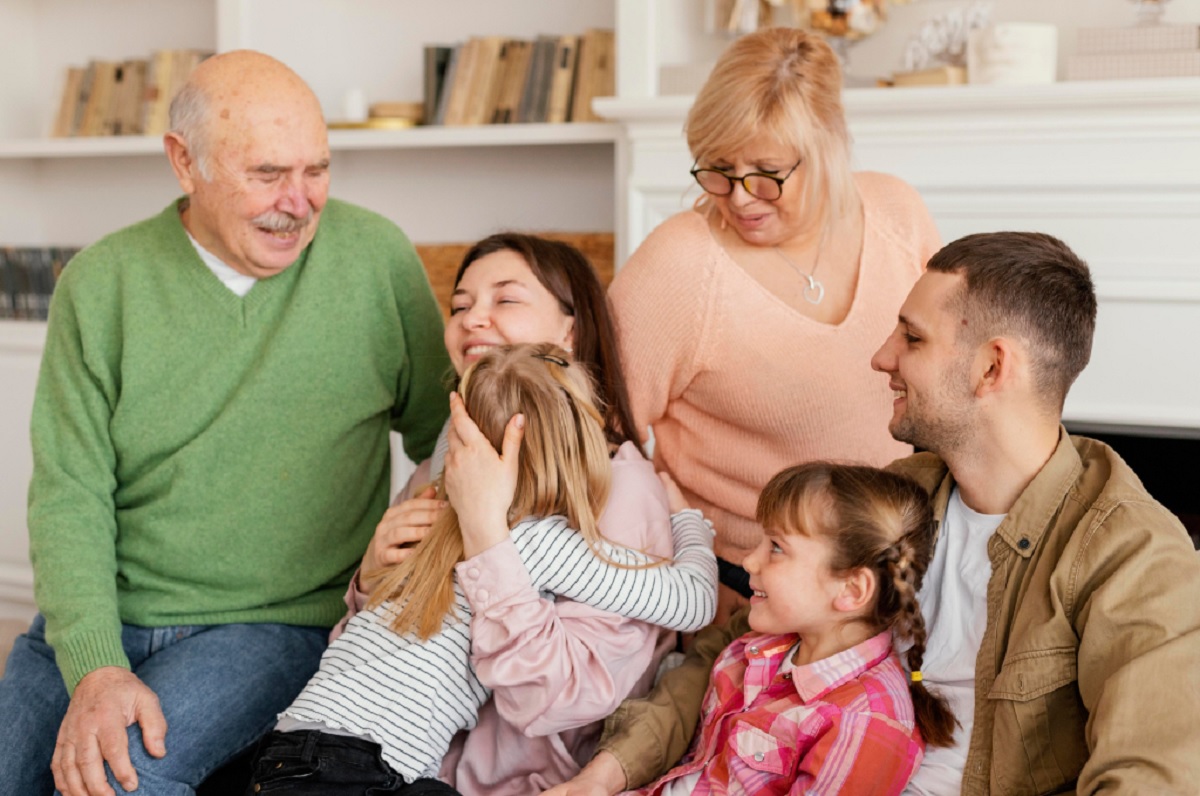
399, 683
815, 699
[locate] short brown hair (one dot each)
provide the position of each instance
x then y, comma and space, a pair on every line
1031, 285
785, 83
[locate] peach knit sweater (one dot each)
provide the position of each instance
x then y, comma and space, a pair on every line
736, 384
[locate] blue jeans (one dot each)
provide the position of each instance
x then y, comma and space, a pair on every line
220, 687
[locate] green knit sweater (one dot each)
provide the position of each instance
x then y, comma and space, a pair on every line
201, 458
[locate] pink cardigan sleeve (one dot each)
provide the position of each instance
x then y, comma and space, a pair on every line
552, 666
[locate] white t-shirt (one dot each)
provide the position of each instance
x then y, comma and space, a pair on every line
954, 603
236, 281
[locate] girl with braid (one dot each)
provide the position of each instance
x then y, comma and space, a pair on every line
815, 699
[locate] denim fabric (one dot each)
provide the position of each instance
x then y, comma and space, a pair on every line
220, 687
310, 762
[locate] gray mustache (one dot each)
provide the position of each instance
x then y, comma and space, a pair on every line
282, 222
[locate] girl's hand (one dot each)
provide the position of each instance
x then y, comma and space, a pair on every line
675, 499
402, 526
480, 483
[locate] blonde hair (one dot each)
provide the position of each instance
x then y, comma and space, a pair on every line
784, 83
877, 520
564, 469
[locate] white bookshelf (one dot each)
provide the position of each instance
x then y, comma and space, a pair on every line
473, 180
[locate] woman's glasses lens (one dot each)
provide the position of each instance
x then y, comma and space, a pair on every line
720, 184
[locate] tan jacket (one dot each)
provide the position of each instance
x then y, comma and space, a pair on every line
1088, 676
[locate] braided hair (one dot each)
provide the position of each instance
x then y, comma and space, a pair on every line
881, 521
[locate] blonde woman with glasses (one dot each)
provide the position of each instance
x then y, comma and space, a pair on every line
747, 324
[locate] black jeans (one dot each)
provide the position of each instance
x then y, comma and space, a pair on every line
311, 762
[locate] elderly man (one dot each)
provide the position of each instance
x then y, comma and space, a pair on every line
1061, 601
210, 438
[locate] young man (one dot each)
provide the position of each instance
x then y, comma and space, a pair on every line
210, 438
1062, 599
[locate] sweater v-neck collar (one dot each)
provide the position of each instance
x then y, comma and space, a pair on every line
240, 307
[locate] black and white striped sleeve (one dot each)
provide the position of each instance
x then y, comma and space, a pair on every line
679, 594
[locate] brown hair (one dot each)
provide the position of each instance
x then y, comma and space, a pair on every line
875, 520
564, 468
785, 83
566, 273
1030, 285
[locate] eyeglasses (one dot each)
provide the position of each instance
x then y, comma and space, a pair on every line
757, 184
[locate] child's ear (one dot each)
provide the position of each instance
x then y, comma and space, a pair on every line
857, 592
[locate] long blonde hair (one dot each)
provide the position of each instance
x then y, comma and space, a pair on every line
564, 469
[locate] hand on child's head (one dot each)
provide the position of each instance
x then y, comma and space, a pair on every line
675, 498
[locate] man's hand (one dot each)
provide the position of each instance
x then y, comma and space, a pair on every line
105, 702
601, 777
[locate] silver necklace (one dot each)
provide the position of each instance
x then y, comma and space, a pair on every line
814, 291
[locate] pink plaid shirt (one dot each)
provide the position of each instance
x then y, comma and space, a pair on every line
840, 725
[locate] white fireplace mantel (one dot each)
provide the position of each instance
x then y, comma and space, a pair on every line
1112, 168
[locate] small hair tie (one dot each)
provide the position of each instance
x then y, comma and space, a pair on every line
916, 676
562, 363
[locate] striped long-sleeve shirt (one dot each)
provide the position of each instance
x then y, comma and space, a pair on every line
840, 725
412, 696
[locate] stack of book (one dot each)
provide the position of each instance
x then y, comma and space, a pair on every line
129, 97
1142, 51
27, 277
496, 80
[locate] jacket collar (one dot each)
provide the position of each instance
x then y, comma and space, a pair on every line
1031, 516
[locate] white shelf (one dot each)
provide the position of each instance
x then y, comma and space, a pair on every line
339, 140
479, 136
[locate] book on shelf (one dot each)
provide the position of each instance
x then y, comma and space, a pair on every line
447, 87
562, 74
457, 103
27, 279
64, 121
536, 91
103, 76
485, 72
497, 80
437, 59
595, 75
515, 67
945, 75
125, 112
488, 100
154, 99
128, 97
